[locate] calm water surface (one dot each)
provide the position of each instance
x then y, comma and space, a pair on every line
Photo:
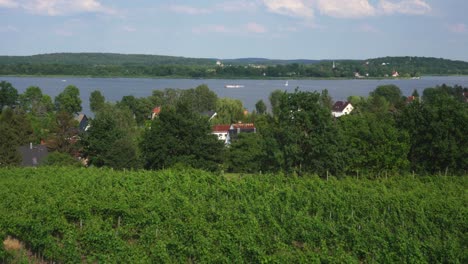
115, 88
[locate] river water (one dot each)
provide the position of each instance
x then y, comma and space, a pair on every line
253, 90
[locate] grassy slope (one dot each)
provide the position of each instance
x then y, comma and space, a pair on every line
70, 214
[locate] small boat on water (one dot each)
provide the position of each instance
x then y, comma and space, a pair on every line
233, 86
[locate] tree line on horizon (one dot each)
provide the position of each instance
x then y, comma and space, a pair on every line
297, 135
121, 65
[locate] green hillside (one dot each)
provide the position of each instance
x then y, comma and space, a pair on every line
134, 65
68, 215
103, 59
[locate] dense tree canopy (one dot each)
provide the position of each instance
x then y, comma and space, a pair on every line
69, 100
437, 127
109, 141
96, 101
182, 136
8, 95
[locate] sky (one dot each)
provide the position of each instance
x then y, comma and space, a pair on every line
274, 29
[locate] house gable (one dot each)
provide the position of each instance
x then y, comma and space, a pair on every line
341, 108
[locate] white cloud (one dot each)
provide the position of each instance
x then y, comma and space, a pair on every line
236, 6
129, 29
367, 28
58, 7
211, 29
188, 10
295, 8
255, 28
410, 7
63, 32
458, 28
8, 3
8, 28
346, 9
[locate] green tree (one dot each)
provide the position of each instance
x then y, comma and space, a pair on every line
245, 154
15, 130
437, 127
64, 133
307, 135
181, 136
200, 99
140, 107
372, 143
96, 101
61, 159
229, 111
391, 93
34, 102
108, 141
69, 100
8, 95
326, 100
275, 99
261, 107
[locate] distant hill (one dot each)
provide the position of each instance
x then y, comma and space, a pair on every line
137, 65
103, 59
263, 61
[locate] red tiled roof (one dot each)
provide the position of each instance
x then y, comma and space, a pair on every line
243, 126
157, 110
220, 128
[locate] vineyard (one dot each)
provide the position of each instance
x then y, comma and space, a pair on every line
69, 215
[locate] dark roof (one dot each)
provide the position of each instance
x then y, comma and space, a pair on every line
82, 122
33, 155
339, 106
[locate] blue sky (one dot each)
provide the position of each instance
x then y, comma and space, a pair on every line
275, 29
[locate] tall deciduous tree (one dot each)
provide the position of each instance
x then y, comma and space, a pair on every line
391, 93
8, 95
34, 102
108, 141
372, 143
261, 107
275, 100
437, 127
245, 154
69, 100
15, 130
307, 135
181, 136
96, 101
229, 111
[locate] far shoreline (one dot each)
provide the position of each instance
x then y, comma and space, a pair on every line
230, 78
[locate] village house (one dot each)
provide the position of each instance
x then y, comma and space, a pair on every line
83, 123
155, 113
222, 132
341, 108
227, 133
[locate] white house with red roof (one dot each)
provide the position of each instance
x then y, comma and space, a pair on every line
341, 108
228, 132
222, 132
155, 113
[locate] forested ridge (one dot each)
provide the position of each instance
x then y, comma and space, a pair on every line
134, 65
64, 215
